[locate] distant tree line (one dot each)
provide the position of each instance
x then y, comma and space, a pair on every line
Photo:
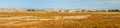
109, 10
115, 10
30, 10
35, 10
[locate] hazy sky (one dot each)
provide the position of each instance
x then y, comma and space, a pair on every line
66, 4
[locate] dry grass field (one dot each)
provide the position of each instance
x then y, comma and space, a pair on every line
59, 20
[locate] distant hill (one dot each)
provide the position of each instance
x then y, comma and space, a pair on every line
11, 10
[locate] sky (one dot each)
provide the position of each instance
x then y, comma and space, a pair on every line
65, 4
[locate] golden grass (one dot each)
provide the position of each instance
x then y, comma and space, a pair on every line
96, 20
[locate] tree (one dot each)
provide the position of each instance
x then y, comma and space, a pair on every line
30, 10
115, 10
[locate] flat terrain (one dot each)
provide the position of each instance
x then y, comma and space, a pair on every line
59, 20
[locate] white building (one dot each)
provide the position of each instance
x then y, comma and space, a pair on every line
53, 10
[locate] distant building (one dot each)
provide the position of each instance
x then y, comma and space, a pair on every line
53, 10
